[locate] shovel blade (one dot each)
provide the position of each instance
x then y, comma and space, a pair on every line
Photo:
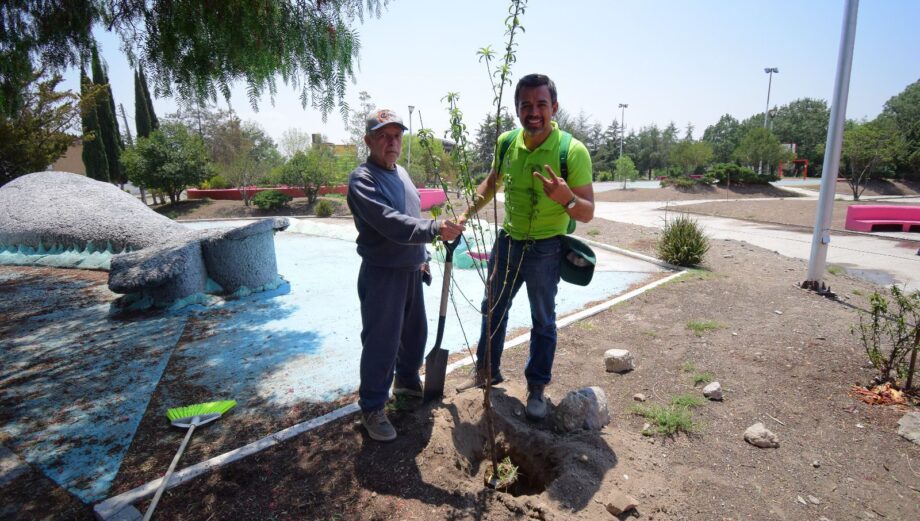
435, 373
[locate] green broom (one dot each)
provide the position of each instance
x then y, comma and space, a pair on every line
188, 417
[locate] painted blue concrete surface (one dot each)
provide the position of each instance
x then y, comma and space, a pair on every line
74, 387
75, 382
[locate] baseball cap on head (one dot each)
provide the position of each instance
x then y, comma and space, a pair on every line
380, 118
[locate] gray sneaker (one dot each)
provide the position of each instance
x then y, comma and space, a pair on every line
477, 378
407, 388
536, 403
378, 425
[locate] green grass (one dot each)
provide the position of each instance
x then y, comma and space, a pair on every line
398, 403
586, 326
687, 400
667, 420
858, 292
688, 367
702, 378
650, 333
701, 326
593, 232
835, 270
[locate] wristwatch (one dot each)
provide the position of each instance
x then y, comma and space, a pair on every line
571, 204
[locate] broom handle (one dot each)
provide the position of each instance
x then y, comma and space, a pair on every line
172, 467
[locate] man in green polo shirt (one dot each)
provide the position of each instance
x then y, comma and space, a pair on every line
538, 207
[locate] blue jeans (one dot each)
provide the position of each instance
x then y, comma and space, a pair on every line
539, 270
394, 331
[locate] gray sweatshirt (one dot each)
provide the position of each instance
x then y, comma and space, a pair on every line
387, 213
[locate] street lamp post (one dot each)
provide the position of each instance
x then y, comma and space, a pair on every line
766, 110
770, 71
623, 107
409, 158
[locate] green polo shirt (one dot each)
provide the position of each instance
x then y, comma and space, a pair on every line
529, 212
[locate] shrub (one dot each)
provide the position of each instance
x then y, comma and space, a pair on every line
216, 183
271, 199
682, 242
894, 322
678, 182
324, 208
732, 173
605, 175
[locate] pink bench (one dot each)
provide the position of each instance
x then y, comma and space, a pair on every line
431, 197
874, 217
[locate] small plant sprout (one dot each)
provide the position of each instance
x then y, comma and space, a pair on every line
668, 420
835, 270
688, 367
702, 378
701, 326
687, 400
593, 232
507, 475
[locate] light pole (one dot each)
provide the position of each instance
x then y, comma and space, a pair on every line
409, 158
766, 111
770, 71
623, 107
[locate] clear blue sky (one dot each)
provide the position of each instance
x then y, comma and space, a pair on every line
670, 60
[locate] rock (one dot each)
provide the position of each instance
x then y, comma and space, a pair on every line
801, 500
639, 397
585, 408
713, 391
909, 427
814, 500
67, 220
778, 312
759, 436
618, 502
815, 463
618, 361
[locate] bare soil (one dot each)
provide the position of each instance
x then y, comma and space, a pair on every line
784, 356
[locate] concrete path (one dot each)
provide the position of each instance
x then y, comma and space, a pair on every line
883, 258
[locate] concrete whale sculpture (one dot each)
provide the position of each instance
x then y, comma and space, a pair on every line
68, 220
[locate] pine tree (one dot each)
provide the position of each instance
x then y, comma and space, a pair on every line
141, 116
108, 126
154, 122
94, 158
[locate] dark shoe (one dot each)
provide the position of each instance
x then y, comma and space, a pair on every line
407, 388
536, 403
477, 378
378, 425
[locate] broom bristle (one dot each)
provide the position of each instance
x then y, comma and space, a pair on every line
200, 409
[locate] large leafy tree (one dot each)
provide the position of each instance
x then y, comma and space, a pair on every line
170, 160
904, 111
196, 48
724, 138
760, 145
804, 122
689, 155
45, 125
310, 170
867, 148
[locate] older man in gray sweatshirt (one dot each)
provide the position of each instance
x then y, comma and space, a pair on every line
391, 242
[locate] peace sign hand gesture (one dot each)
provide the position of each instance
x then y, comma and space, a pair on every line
554, 186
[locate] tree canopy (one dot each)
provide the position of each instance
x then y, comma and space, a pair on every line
193, 47
171, 160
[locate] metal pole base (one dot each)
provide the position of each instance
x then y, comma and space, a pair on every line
818, 287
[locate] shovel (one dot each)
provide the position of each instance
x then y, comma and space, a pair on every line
436, 361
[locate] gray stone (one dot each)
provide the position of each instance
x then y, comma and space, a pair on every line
585, 408
639, 397
713, 391
619, 502
909, 427
758, 436
618, 361
154, 260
